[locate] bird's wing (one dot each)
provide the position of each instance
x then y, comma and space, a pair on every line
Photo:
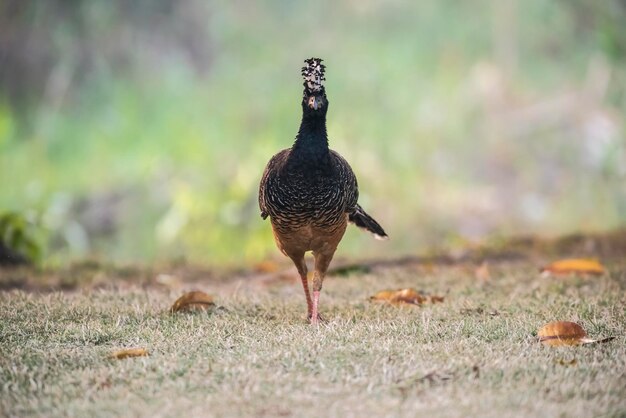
271, 170
348, 179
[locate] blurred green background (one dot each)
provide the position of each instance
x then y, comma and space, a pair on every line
138, 130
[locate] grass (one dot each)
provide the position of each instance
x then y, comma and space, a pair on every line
475, 354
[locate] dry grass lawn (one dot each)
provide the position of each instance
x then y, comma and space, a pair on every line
475, 354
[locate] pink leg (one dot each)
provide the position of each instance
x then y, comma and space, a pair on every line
309, 303
298, 260
315, 318
322, 260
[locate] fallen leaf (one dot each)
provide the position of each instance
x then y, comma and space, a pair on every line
129, 352
409, 296
560, 333
574, 265
267, 266
405, 296
383, 296
190, 301
436, 299
564, 362
482, 272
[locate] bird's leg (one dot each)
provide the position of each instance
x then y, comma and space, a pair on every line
302, 271
322, 260
305, 285
315, 316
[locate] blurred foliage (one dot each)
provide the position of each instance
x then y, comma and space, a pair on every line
20, 240
54, 48
603, 22
139, 130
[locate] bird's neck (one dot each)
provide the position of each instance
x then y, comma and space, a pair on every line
312, 139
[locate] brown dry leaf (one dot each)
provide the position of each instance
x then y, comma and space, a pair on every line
267, 266
482, 272
574, 265
404, 296
410, 296
436, 299
564, 362
560, 333
383, 296
190, 301
130, 352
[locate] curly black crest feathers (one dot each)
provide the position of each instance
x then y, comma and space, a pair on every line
313, 74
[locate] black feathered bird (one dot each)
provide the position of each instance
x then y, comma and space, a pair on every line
310, 192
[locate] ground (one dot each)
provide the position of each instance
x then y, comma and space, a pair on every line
474, 354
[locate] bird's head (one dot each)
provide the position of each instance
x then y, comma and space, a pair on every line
314, 100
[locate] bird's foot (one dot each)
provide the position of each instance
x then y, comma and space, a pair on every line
319, 319
314, 315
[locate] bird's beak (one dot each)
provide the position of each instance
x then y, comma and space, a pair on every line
315, 102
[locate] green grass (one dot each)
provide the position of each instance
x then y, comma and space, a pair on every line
473, 355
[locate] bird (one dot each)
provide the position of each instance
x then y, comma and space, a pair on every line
310, 192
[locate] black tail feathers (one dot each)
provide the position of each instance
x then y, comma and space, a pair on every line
366, 222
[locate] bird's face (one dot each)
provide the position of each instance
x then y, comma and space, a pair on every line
316, 103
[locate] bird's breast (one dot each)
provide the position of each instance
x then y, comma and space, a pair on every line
300, 198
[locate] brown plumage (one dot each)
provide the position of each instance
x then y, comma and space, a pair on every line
310, 192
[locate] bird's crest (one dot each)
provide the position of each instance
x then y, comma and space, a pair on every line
313, 74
